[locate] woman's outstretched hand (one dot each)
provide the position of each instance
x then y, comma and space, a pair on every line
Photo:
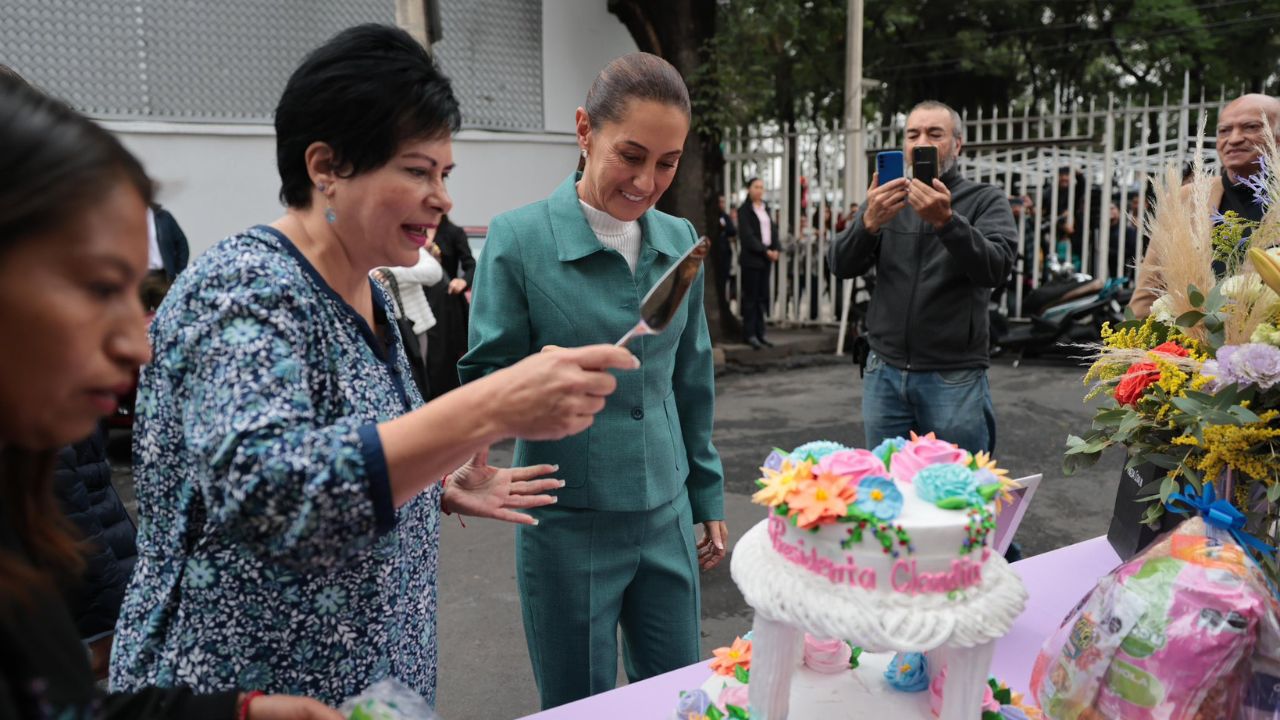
479, 489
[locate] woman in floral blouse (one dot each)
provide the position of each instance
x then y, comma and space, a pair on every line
288, 474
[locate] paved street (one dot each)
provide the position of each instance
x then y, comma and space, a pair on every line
484, 667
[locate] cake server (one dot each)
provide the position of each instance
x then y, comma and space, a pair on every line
662, 300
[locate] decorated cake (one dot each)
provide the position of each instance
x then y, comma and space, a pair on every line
885, 548
837, 679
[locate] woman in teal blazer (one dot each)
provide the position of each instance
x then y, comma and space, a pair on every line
618, 548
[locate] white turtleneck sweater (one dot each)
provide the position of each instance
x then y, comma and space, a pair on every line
623, 236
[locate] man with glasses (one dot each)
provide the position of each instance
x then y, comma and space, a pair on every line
1242, 128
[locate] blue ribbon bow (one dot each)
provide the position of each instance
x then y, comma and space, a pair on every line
1218, 513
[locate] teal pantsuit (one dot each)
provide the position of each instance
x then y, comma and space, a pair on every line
617, 550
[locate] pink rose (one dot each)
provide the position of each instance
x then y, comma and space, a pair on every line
922, 452
989, 702
853, 464
736, 696
826, 656
935, 692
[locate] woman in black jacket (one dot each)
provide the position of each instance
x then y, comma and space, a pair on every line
758, 244
73, 249
447, 339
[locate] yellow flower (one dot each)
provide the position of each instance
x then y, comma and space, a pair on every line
779, 484
983, 461
1244, 448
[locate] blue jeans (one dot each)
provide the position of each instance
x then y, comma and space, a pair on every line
955, 404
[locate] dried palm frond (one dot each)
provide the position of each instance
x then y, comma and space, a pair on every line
1181, 252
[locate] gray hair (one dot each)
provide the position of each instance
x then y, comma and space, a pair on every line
957, 122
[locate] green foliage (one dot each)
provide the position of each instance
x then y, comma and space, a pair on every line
783, 59
773, 60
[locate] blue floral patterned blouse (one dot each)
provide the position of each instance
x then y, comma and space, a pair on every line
270, 554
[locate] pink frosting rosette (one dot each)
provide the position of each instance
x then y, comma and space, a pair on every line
989, 702
922, 452
736, 696
853, 464
826, 656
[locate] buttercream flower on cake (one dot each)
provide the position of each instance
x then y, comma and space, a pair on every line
908, 672
887, 448
829, 656
826, 497
693, 704
953, 486
921, 452
817, 450
727, 660
986, 472
879, 497
737, 696
853, 464
777, 485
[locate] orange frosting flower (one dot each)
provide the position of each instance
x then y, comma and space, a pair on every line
734, 656
826, 497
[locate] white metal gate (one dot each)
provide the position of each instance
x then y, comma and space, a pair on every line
1111, 150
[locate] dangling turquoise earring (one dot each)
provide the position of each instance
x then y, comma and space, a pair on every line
329, 215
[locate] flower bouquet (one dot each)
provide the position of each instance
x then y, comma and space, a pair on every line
1194, 389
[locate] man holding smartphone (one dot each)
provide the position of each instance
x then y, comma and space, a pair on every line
938, 248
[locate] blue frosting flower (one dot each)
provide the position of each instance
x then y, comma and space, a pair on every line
1009, 712
942, 482
694, 701
908, 672
887, 448
879, 497
818, 449
774, 461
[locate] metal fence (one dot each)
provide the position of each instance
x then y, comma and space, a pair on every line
1083, 175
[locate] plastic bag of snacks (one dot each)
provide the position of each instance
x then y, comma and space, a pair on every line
1186, 630
388, 700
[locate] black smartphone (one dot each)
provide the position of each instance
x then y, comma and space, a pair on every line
924, 163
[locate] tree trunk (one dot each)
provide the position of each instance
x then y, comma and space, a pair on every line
678, 31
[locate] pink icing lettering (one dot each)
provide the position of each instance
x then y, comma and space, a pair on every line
849, 573
907, 579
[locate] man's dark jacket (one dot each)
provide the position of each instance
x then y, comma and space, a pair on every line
751, 249
929, 308
82, 483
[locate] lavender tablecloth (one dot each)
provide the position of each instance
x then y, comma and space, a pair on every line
1055, 582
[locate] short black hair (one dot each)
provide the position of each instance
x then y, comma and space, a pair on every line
365, 92
750, 182
55, 163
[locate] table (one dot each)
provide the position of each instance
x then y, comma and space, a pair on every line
1055, 582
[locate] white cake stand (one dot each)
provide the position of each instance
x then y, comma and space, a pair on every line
959, 633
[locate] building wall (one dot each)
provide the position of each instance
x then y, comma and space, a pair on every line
219, 179
578, 39
520, 67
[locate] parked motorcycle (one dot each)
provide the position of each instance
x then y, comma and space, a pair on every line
1068, 308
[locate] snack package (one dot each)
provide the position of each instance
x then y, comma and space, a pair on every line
1186, 630
388, 700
